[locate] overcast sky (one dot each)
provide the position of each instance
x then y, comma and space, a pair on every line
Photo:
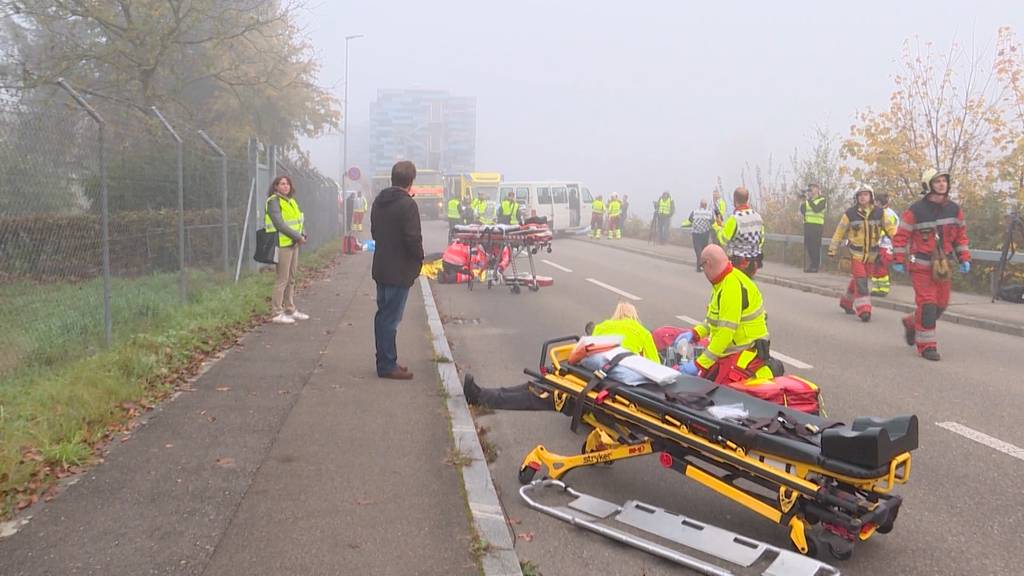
641, 97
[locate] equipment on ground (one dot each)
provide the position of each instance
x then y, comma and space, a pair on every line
605, 518
1014, 237
830, 484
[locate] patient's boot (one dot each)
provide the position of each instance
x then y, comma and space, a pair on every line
470, 390
519, 397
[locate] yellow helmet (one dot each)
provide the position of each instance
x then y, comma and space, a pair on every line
929, 176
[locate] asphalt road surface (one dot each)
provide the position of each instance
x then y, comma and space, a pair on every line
963, 511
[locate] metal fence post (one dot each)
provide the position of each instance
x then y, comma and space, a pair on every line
253, 210
104, 211
182, 281
224, 195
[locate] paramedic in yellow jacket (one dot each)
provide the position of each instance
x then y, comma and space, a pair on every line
862, 226
735, 325
624, 322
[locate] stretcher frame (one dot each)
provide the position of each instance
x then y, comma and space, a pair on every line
821, 508
494, 240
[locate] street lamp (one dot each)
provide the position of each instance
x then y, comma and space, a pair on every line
344, 136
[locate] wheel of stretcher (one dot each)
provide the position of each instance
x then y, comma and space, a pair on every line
888, 525
526, 474
840, 553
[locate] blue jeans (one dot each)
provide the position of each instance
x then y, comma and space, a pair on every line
390, 307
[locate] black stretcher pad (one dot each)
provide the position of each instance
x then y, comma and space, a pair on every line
862, 449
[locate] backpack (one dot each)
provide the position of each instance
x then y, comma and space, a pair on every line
1012, 293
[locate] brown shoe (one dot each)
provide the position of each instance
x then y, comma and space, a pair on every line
396, 374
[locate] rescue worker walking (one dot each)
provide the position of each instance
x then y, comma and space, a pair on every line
862, 227
931, 235
597, 216
612, 230
666, 208
742, 234
508, 212
358, 212
718, 208
880, 282
700, 221
736, 324
813, 211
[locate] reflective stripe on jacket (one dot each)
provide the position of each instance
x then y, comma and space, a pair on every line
635, 337
290, 214
814, 210
921, 226
735, 318
863, 231
454, 211
743, 233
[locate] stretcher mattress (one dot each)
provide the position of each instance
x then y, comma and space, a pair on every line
862, 449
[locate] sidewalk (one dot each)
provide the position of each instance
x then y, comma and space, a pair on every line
288, 456
968, 309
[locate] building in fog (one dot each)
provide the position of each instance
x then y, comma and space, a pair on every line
434, 129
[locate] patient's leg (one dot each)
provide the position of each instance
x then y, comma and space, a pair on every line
520, 397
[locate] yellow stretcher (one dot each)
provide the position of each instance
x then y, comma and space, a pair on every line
829, 483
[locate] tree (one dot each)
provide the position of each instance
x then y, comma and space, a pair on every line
234, 67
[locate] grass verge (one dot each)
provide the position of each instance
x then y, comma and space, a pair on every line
57, 409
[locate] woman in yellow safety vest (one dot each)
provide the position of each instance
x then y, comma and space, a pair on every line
283, 216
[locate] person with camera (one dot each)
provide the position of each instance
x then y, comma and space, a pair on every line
862, 227
931, 236
813, 211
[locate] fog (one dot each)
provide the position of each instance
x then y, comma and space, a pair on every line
635, 98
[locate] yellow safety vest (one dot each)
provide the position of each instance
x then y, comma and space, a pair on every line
597, 207
814, 211
614, 208
291, 215
635, 337
359, 205
453, 209
665, 206
732, 326
510, 209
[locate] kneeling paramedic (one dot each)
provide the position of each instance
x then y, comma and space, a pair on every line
735, 325
862, 226
624, 322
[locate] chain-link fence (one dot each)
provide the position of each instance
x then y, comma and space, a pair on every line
169, 235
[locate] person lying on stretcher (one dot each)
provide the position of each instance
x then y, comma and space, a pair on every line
625, 322
735, 326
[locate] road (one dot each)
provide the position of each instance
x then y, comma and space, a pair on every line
963, 512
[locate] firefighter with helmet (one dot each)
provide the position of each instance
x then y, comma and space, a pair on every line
930, 240
862, 226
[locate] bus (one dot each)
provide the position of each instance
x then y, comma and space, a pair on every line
566, 204
428, 192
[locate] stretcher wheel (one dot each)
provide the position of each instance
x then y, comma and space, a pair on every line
534, 287
526, 475
841, 552
888, 525
516, 289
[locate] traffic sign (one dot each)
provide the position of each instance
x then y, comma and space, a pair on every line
354, 173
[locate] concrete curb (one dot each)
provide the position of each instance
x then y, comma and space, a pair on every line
953, 317
488, 516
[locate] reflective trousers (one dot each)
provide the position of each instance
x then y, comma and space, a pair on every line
932, 298
858, 293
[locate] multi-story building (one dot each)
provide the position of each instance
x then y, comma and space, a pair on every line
435, 130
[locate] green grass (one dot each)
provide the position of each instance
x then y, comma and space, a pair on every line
65, 392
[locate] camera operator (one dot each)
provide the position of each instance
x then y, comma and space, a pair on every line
813, 211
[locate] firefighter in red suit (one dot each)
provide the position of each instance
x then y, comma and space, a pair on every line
931, 239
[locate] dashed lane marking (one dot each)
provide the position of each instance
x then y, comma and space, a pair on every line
785, 358
611, 288
559, 266
982, 438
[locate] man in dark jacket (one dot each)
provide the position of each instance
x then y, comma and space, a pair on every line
397, 259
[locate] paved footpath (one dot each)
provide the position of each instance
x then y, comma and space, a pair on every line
968, 309
288, 457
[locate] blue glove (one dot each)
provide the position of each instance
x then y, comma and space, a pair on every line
691, 368
899, 269
683, 337
965, 267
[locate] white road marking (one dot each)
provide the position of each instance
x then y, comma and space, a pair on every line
775, 353
614, 289
982, 438
559, 266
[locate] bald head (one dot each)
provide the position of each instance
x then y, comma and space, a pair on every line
740, 196
714, 261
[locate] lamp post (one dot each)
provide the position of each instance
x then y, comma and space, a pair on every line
344, 136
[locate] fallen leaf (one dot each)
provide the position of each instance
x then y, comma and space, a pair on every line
223, 388
363, 502
526, 536
226, 462
515, 521
211, 419
168, 445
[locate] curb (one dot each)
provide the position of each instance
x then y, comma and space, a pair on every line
488, 516
952, 317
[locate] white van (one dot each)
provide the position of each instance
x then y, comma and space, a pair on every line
566, 204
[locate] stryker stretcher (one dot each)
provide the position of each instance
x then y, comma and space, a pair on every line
829, 483
503, 244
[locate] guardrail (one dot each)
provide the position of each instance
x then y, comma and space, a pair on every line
976, 255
